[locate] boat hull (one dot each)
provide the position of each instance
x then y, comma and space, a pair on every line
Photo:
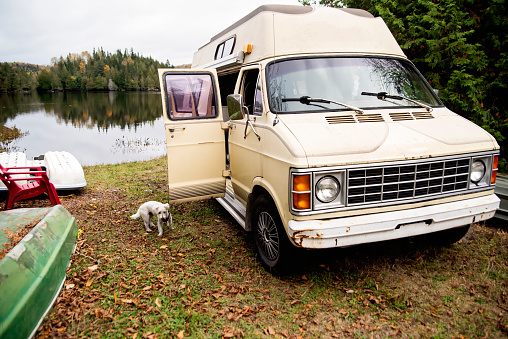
33, 272
63, 169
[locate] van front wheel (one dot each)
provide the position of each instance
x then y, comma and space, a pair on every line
272, 243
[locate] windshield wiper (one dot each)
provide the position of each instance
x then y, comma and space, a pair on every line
306, 100
384, 96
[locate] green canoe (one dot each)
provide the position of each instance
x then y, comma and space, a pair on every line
33, 272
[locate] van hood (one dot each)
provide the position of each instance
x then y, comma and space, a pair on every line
336, 139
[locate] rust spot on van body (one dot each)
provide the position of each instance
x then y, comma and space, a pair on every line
299, 236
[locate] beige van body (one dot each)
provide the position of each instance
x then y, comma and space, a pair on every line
303, 169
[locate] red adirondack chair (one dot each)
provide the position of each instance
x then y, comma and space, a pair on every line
37, 184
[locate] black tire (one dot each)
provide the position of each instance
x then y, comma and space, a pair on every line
272, 244
453, 235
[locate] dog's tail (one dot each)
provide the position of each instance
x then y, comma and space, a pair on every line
135, 216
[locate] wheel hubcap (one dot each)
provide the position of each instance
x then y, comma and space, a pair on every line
268, 237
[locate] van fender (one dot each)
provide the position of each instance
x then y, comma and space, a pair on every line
259, 187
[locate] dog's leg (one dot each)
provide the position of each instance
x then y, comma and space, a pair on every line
147, 222
159, 226
170, 222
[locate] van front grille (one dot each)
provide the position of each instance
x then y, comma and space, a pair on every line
416, 180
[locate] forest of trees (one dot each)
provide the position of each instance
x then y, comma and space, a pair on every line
101, 71
17, 76
84, 72
460, 46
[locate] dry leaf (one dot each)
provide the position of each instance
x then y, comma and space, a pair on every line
163, 247
271, 331
93, 268
180, 334
158, 302
89, 283
69, 286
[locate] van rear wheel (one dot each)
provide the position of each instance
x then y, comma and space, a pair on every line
272, 243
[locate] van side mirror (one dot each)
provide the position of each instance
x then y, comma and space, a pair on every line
436, 91
235, 106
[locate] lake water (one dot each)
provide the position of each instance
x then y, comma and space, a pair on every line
97, 128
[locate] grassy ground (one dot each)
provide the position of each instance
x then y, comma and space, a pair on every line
203, 279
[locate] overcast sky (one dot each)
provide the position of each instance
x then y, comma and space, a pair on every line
34, 31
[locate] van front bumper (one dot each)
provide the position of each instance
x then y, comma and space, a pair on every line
361, 229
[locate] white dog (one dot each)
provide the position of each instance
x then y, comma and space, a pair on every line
160, 210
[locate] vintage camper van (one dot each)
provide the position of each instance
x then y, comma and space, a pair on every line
313, 129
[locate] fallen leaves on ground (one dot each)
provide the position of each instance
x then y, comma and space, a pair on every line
203, 278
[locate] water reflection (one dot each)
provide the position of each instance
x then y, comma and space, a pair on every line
97, 128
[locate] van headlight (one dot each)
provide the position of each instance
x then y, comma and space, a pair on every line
327, 189
478, 170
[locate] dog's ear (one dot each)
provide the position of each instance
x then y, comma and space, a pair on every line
166, 206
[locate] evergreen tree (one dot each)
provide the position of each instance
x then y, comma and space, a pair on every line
461, 48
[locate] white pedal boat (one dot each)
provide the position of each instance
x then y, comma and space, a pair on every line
64, 170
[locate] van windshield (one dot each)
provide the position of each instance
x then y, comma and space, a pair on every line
345, 80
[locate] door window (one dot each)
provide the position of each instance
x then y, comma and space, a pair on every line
251, 91
190, 96
258, 98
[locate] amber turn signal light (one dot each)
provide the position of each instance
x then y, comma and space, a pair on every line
301, 201
301, 192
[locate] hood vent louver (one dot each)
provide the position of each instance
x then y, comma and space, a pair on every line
410, 116
423, 115
350, 119
341, 119
399, 116
370, 118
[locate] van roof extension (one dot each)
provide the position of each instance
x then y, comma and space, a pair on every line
285, 30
